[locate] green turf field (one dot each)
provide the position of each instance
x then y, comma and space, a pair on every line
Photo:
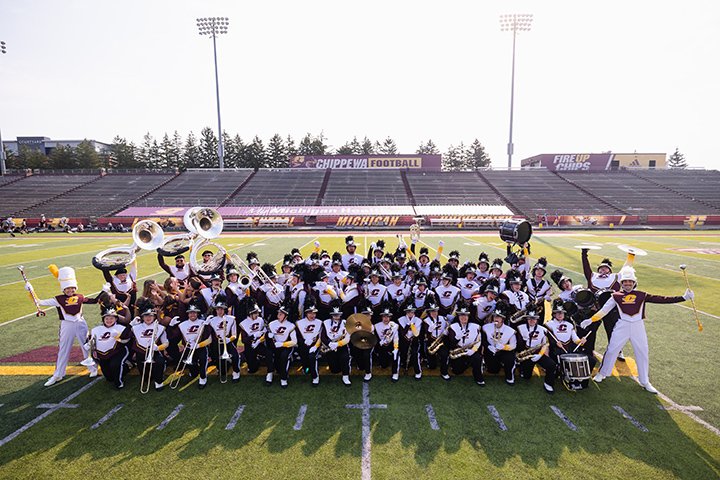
269, 439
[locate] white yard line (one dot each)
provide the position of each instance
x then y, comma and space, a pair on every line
107, 416
431, 417
172, 415
564, 418
300, 418
632, 419
236, 416
366, 441
699, 311
57, 406
496, 415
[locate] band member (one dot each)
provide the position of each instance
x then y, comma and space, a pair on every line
388, 346
350, 258
337, 338
603, 279
398, 291
121, 285
421, 296
375, 292
363, 357
309, 329
465, 339
482, 272
197, 335
252, 336
224, 328
109, 342
298, 292
297, 258
324, 293
270, 294
567, 290
564, 336
447, 295
282, 333
538, 289
286, 268
423, 262
534, 339
466, 281
336, 273
207, 257
376, 252
436, 329
180, 270
485, 305
209, 293
514, 295
69, 307
143, 334
496, 276
500, 344
631, 324
325, 260
235, 293
410, 330
351, 296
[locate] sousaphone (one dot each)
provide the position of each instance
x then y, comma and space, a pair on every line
146, 235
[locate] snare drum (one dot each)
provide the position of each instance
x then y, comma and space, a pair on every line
602, 296
575, 369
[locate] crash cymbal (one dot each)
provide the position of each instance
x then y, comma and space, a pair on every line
363, 340
632, 250
358, 321
588, 247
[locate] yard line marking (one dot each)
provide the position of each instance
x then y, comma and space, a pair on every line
172, 415
35, 420
107, 416
682, 408
431, 416
300, 417
496, 415
564, 418
1, 405
58, 405
632, 419
365, 406
236, 416
699, 311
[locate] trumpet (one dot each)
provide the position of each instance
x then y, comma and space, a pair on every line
147, 363
180, 369
529, 352
225, 355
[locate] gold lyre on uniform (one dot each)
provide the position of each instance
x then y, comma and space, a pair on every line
148, 362
225, 356
180, 369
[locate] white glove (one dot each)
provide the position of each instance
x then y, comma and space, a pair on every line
174, 321
441, 243
106, 287
317, 244
321, 286
135, 321
586, 323
373, 245
689, 294
492, 348
536, 357
469, 352
155, 347
278, 344
270, 335
28, 287
313, 349
498, 346
333, 346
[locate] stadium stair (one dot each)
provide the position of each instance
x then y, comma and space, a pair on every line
670, 189
144, 195
15, 180
408, 190
508, 203
238, 189
19, 213
588, 192
323, 188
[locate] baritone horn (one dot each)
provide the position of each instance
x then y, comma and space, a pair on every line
146, 235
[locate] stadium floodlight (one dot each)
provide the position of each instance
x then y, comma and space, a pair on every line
516, 22
215, 26
3, 47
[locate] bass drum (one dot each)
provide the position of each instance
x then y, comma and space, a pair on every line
515, 231
584, 298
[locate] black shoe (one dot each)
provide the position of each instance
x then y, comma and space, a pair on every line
160, 388
481, 383
447, 378
236, 380
202, 386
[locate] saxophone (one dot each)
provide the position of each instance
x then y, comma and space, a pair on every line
528, 352
438, 342
460, 351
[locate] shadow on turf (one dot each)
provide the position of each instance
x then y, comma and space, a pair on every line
535, 435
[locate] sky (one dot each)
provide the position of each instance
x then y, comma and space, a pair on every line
591, 77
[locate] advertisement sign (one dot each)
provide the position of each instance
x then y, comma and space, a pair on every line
370, 162
594, 162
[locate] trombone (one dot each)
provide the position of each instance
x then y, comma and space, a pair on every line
149, 360
180, 369
225, 356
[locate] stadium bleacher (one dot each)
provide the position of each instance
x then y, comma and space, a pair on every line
366, 187
18, 196
281, 188
191, 188
450, 188
700, 185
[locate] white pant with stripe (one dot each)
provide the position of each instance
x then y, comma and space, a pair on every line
69, 331
635, 333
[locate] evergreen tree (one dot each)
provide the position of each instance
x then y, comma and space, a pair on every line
388, 147
452, 160
677, 160
165, 152
276, 152
312, 145
290, 147
235, 152
255, 154
124, 154
191, 152
477, 156
146, 150
428, 148
346, 149
175, 155
86, 156
356, 148
208, 149
367, 147
62, 156
229, 153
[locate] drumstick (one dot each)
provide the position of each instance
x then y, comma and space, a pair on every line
562, 345
692, 300
581, 344
40, 312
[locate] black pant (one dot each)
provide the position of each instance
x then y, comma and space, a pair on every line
252, 357
441, 357
460, 364
158, 366
363, 358
504, 359
309, 360
216, 352
280, 360
199, 362
113, 368
386, 358
550, 367
339, 360
411, 346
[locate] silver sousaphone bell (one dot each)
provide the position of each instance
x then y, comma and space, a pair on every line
146, 235
205, 223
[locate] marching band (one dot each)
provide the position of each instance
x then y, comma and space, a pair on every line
403, 312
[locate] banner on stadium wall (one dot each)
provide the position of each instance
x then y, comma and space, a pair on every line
370, 162
311, 211
594, 162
